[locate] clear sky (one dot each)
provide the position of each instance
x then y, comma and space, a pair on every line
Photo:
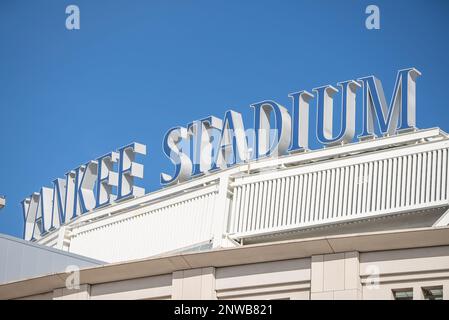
138, 68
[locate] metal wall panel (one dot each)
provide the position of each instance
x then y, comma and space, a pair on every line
20, 259
163, 227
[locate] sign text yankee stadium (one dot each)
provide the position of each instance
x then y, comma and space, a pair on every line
210, 144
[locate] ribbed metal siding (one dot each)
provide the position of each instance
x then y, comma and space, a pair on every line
339, 193
164, 229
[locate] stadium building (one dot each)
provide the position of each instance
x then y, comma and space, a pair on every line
353, 220
361, 221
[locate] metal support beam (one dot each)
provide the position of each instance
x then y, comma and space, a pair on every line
221, 212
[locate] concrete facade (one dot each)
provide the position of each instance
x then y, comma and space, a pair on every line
316, 268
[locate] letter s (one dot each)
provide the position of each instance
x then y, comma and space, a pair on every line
171, 148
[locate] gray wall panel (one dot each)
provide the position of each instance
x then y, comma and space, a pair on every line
20, 259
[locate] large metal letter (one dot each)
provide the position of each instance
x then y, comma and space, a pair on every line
128, 170
106, 179
325, 110
300, 121
172, 149
400, 115
233, 146
264, 146
202, 132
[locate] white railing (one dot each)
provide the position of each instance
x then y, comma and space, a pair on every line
363, 186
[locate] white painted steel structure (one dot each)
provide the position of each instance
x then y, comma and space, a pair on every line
405, 174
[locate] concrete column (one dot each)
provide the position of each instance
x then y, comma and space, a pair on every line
446, 291
194, 284
336, 277
61, 238
417, 293
83, 293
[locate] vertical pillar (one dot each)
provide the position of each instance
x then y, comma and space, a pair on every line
61, 237
446, 291
417, 293
221, 212
83, 293
194, 284
336, 277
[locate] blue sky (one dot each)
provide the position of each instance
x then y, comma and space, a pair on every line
137, 68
